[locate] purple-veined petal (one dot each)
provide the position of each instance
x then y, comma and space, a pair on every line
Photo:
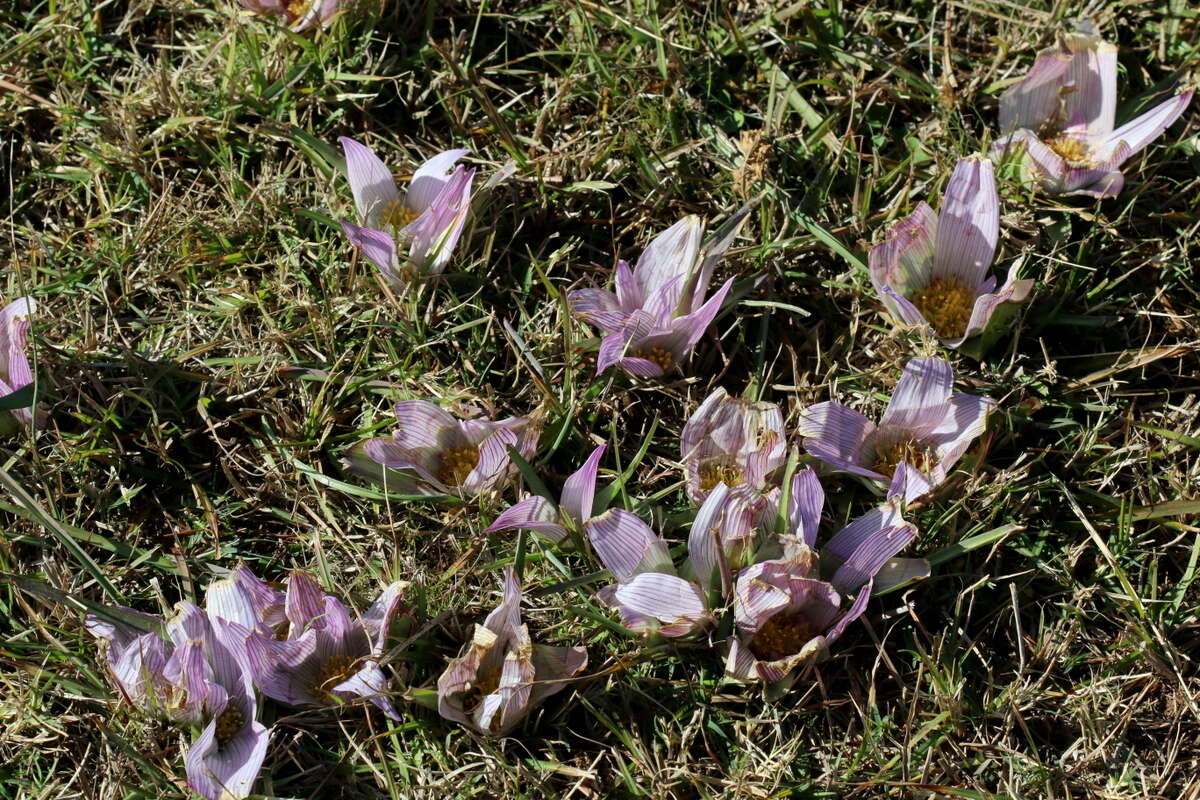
628, 290
755, 600
854, 612
966, 420
986, 304
597, 307
839, 430
506, 617
534, 513
305, 602
1091, 104
626, 545
740, 663
377, 247
288, 671
368, 683
371, 182
1035, 99
870, 556
704, 545
709, 256
580, 488
909, 483
902, 309
493, 467
430, 179
15, 372
845, 542
226, 771
1140, 131
378, 618
677, 604
968, 223
805, 503
670, 255
904, 259
920, 398
435, 233
698, 321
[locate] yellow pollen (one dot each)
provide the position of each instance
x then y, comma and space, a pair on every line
397, 215
337, 669
1072, 149
720, 470
783, 635
485, 683
228, 724
946, 304
457, 463
907, 449
297, 9
659, 355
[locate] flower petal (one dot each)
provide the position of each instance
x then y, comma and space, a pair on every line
371, 182
966, 420
805, 503
1091, 104
1034, 100
920, 398
580, 488
677, 604
968, 224
534, 513
870, 556
839, 430
670, 256
626, 545
226, 772
1140, 131
377, 247
904, 259
431, 179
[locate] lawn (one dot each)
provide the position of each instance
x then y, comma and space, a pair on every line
209, 349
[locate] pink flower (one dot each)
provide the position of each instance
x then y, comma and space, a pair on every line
932, 271
299, 15
501, 676
429, 217
431, 452
1062, 115
15, 374
736, 442
658, 313
573, 511
926, 428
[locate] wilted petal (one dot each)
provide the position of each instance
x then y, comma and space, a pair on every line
371, 182
553, 667
534, 513
506, 617
904, 260
626, 545
968, 223
580, 488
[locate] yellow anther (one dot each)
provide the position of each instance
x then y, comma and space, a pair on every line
457, 463
946, 303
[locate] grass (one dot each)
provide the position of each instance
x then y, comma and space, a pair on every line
170, 205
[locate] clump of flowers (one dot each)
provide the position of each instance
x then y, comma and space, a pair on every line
501, 676
1061, 117
932, 270
429, 217
733, 441
658, 312
926, 428
431, 452
786, 615
298, 15
15, 374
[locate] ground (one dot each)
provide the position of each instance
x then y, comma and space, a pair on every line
208, 345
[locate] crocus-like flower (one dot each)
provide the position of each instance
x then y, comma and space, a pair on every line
658, 312
449, 456
1063, 113
649, 595
932, 270
15, 373
926, 428
430, 216
574, 509
197, 674
299, 15
326, 656
785, 615
735, 442
501, 675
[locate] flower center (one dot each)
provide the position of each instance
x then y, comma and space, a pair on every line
485, 683
946, 303
783, 635
297, 9
397, 215
228, 724
888, 454
337, 669
659, 355
720, 470
457, 463
1072, 149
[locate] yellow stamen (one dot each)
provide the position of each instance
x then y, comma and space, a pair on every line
334, 671
457, 463
783, 635
720, 470
297, 9
659, 355
397, 215
485, 683
228, 724
1072, 149
888, 454
946, 303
